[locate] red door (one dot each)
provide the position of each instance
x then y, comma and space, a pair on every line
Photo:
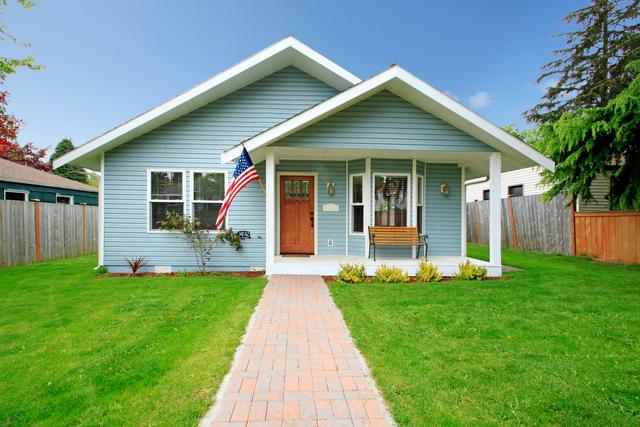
296, 215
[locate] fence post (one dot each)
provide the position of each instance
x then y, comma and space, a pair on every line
573, 226
512, 218
477, 222
84, 229
36, 206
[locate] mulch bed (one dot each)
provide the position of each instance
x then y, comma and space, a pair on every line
412, 279
246, 274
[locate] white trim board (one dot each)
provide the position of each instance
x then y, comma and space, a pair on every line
412, 89
286, 52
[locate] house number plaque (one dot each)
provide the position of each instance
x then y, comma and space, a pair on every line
245, 234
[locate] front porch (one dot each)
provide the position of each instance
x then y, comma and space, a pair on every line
328, 265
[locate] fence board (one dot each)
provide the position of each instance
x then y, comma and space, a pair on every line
539, 226
61, 231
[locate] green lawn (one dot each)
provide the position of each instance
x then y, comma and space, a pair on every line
81, 350
558, 344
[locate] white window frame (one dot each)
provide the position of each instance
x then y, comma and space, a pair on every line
71, 202
9, 190
409, 193
420, 195
352, 203
149, 200
193, 190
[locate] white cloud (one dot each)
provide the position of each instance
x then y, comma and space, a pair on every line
480, 99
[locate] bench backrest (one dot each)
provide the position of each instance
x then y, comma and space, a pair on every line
394, 235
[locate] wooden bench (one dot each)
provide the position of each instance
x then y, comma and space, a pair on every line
397, 236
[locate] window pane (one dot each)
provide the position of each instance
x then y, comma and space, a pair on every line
516, 190
305, 189
10, 195
357, 218
63, 199
287, 189
158, 210
208, 186
356, 189
207, 213
486, 194
166, 185
391, 200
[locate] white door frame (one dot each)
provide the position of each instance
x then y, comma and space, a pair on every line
315, 207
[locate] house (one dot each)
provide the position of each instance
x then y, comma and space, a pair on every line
20, 182
335, 153
528, 182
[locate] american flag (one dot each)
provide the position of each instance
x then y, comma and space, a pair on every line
245, 173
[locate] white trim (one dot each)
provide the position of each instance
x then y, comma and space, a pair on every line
287, 51
315, 207
64, 195
347, 196
149, 200
270, 213
397, 80
420, 177
495, 207
409, 191
366, 188
350, 204
101, 213
414, 202
9, 190
463, 214
192, 199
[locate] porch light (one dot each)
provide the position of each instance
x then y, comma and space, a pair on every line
331, 188
444, 189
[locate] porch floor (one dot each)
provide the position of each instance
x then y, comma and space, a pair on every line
328, 265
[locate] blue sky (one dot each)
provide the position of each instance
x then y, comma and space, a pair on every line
109, 61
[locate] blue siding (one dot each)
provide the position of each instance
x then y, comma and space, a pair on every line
193, 142
443, 212
331, 225
356, 241
384, 121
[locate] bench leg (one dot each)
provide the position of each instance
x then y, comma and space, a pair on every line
418, 253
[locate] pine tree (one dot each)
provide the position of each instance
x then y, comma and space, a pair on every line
592, 69
67, 171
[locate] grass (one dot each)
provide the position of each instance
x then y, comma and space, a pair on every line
557, 344
81, 350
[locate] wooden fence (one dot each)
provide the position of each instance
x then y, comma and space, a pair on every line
608, 236
527, 223
33, 231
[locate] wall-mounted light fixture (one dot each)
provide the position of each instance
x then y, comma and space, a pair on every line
331, 188
444, 189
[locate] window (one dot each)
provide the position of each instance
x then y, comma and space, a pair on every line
357, 203
516, 190
419, 203
208, 194
486, 194
15, 195
166, 194
66, 200
391, 200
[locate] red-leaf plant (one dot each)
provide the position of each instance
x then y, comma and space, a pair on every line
135, 264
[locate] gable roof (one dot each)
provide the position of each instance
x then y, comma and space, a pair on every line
407, 86
15, 172
286, 52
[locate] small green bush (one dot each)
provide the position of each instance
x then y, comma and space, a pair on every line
469, 271
387, 274
427, 272
351, 273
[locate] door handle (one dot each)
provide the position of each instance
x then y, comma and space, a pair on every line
311, 218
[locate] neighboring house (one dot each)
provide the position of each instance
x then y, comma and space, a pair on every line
527, 182
20, 182
335, 154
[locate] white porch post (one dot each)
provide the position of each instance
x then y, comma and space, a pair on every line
366, 189
101, 214
270, 201
414, 201
463, 207
495, 168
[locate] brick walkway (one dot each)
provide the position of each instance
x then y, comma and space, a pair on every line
297, 365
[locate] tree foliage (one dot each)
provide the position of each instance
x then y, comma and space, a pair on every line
68, 171
11, 65
591, 70
590, 141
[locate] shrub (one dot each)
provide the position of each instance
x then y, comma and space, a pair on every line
427, 272
469, 271
135, 264
351, 273
387, 274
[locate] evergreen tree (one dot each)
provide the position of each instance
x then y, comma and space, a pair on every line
592, 69
67, 171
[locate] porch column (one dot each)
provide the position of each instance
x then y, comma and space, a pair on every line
414, 201
366, 189
101, 214
270, 202
495, 168
463, 208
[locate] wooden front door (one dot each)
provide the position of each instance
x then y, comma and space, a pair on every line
296, 215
